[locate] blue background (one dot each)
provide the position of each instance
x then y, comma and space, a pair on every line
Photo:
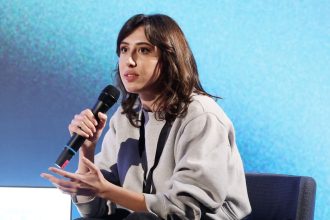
269, 60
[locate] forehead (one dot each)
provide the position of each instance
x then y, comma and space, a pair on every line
137, 36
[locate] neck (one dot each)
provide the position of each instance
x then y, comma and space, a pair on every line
148, 101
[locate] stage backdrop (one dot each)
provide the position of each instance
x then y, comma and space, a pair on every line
269, 62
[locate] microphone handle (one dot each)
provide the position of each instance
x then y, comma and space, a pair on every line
69, 150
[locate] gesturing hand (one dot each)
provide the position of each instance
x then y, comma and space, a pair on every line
91, 183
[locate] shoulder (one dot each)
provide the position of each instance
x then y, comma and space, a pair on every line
202, 104
205, 105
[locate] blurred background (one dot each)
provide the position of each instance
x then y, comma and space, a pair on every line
269, 60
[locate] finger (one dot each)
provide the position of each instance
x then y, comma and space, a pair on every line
86, 126
69, 187
88, 113
64, 173
48, 177
83, 122
75, 127
58, 182
102, 116
79, 188
88, 122
90, 165
103, 119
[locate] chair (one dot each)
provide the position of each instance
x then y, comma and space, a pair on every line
281, 197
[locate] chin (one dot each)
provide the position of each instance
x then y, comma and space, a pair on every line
131, 90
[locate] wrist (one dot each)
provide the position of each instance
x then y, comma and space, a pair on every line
87, 149
87, 153
105, 189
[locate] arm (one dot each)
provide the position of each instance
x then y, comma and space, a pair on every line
208, 168
94, 206
93, 181
116, 194
85, 124
91, 198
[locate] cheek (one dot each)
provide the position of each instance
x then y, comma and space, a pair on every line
153, 69
120, 64
121, 69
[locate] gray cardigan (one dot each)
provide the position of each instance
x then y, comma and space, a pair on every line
200, 171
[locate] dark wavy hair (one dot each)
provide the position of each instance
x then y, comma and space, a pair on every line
178, 77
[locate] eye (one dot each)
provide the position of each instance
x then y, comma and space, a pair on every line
144, 50
123, 49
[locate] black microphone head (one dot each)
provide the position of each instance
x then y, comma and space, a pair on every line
109, 95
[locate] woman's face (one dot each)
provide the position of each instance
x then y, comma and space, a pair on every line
138, 63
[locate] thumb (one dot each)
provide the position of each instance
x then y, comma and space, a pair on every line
103, 119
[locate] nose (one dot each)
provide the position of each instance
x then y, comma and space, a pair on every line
131, 62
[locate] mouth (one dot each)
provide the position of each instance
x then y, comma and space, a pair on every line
130, 76
130, 73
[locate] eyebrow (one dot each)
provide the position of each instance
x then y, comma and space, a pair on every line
138, 43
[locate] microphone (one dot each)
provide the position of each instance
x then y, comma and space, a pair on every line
106, 100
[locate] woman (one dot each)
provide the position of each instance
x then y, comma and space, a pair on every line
170, 152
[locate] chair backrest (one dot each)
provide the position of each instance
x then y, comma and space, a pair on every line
281, 197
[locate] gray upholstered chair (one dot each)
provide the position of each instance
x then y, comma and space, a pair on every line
281, 197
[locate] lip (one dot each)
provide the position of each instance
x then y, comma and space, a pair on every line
130, 72
130, 76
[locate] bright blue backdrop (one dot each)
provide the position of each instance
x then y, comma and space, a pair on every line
269, 60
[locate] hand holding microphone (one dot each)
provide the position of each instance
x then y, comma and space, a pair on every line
86, 125
83, 125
